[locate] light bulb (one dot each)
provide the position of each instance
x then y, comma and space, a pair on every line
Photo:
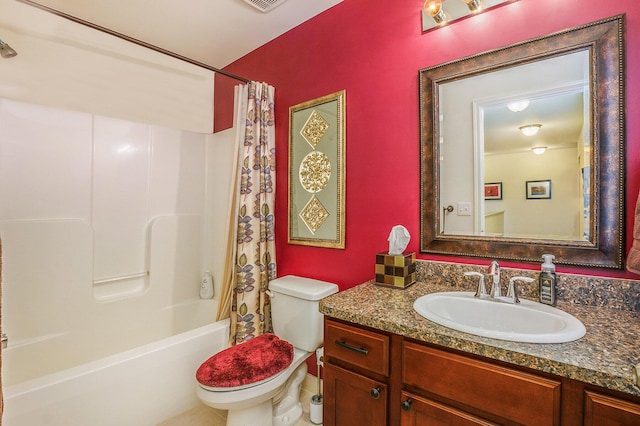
434, 9
473, 5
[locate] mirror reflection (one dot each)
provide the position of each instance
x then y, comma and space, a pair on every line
485, 192
515, 151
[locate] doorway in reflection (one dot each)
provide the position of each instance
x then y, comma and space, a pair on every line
543, 194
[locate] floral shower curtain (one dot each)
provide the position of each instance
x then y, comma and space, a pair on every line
251, 260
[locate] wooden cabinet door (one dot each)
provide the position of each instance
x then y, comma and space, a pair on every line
603, 410
418, 411
351, 399
510, 394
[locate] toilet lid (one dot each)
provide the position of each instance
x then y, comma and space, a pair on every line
246, 364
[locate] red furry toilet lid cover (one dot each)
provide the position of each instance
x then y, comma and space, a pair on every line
247, 363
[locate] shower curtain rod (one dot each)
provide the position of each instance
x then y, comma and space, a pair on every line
133, 40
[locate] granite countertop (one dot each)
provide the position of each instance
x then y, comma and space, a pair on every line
605, 356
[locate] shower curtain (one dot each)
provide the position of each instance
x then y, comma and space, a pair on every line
251, 260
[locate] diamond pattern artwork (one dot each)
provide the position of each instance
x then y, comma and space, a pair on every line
314, 129
314, 214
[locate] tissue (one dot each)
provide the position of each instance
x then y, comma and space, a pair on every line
395, 269
398, 240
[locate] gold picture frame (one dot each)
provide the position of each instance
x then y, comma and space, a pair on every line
317, 172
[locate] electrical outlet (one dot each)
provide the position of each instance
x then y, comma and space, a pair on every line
464, 209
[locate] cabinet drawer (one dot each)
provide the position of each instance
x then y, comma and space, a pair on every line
510, 394
603, 410
361, 348
422, 411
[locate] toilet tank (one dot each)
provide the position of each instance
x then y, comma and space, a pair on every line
294, 310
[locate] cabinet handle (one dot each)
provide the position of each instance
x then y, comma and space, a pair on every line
375, 393
351, 348
406, 405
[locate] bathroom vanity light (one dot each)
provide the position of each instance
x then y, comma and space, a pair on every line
7, 51
530, 129
434, 9
539, 150
437, 13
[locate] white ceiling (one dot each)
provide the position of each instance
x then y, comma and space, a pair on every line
215, 32
556, 87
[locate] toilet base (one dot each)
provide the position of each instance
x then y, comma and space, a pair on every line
289, 410
258, 415
286, 411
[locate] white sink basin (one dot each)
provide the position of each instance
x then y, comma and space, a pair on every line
527, 321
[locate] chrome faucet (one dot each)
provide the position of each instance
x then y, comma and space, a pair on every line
481, 290
494, 271
512, 291
495, 293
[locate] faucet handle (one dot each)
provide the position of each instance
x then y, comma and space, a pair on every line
512, 291
481, 291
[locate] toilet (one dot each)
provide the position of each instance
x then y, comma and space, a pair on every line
270, 398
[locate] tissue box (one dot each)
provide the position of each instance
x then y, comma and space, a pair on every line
395, 271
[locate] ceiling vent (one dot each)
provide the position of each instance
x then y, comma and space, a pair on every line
265, 5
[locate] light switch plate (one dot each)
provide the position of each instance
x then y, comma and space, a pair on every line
464, 209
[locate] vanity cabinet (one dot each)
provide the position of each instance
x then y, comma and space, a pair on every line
477, 387
373, 377
356, 373
418, 411
604, 410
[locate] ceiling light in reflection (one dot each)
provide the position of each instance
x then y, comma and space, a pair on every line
518, 105
539, 150
530, 129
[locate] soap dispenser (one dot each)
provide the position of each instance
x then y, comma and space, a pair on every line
548, 281
206, 286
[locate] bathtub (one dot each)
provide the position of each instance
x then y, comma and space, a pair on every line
137, 387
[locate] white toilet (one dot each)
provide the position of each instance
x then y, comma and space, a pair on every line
276, 400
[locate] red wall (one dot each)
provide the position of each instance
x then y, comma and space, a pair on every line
373, 50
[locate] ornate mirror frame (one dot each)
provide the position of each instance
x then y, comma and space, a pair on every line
605, 42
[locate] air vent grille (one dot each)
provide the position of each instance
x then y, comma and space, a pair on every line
265, 5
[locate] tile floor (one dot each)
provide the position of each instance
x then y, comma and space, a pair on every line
207, 416
201, 415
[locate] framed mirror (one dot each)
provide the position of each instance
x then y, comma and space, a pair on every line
522, 150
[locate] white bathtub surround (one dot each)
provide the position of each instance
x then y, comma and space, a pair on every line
86, 199
140, 387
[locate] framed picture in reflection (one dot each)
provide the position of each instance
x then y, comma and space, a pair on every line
538, 189
493, 191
